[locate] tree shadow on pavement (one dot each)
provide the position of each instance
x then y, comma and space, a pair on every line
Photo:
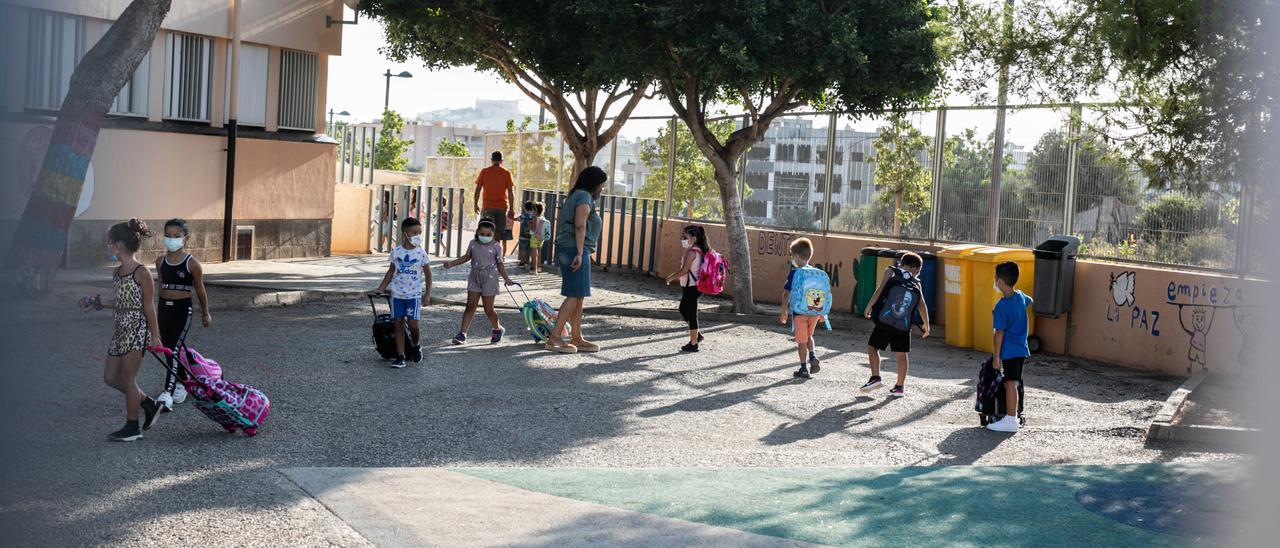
832, 420
714, 401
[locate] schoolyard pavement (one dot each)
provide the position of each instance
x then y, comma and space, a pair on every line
636, 445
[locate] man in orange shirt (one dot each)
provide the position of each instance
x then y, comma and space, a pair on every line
495, 197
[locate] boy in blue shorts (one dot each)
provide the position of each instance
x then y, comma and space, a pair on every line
1009, 322
407, 276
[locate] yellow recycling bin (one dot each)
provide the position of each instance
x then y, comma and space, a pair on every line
885, 259
985, 294
957, 295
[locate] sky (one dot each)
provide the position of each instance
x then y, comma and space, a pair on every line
356, 85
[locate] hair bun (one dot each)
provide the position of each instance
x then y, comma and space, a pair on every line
137, 226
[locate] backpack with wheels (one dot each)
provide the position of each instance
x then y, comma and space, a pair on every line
712, 273
811, 293
538, 316
897, 305
990, 401
384, 332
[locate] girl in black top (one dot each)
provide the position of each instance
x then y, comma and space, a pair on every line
180, 276
694, 241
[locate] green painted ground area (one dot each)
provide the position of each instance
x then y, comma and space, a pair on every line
945, 506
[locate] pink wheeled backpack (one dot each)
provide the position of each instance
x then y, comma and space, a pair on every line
233, 406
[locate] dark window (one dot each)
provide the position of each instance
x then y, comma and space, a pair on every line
758, 152
857, 156
804, 153
835, 185
757, 180
856, 184
754, 208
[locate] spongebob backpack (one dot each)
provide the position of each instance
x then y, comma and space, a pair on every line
811, 293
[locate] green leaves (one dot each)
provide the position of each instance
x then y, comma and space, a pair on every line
903, 181
389, 151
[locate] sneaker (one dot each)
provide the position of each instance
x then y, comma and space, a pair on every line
179, 393
1007, 424
814, 363
150, 411
166, 401
497, 335
803, 372
896, 391
872, 384
416, 352
398, 363
460, 338
130, 432
689, 348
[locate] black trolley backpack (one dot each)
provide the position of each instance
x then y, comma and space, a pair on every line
384, 332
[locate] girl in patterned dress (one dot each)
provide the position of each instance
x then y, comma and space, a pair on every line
485, 256
135, 325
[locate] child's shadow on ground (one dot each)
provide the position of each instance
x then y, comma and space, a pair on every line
831, 420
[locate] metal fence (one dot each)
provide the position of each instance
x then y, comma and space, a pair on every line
1063, 169
629, 232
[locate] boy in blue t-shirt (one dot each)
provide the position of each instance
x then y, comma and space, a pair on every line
1009, 323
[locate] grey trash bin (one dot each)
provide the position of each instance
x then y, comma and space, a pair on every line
1055, 275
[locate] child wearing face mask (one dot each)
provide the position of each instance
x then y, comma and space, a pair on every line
180, 276
485, 256
409, 279
694, 241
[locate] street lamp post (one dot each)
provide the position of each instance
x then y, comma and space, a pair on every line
386, 102
329, 128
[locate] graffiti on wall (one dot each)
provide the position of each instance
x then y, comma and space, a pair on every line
1122, 305
1199, 305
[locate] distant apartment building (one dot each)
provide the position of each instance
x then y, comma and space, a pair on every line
161, 151
487, 114
426, 137
787, 170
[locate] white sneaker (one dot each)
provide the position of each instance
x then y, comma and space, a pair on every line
166, 400
179, 394
1007, 424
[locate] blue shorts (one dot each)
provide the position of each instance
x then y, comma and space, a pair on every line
407, 308
573, 284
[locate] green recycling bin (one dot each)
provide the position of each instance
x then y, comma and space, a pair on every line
866, 278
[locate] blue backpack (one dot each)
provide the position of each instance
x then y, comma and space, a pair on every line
896, 307
811, 293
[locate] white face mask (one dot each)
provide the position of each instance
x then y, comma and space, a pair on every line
485, 239
794, 263
416, 240
686, 244
173, 244
995, 287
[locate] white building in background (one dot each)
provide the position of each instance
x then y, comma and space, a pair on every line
487, 114
426, 138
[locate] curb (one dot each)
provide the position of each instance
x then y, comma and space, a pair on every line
1164, 426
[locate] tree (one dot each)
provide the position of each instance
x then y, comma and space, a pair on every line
1195, 97
389, 151
965, 189
31, 261
453, 148
902, 180
1101, 171
695, 178
532, 154
772, 56
579, 59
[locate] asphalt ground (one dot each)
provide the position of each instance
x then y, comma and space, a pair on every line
637, 404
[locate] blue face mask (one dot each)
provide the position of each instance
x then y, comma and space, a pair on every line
485, 239
111, 255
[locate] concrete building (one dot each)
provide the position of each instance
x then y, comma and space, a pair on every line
488, 114
426, 136
785, 171
161, 150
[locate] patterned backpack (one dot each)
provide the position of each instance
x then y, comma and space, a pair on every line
811, 293
712, 274
896, 307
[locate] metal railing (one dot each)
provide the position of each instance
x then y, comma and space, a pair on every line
629, 231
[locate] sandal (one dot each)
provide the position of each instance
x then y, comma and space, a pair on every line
560, 347
586, 346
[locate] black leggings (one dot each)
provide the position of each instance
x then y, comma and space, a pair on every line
174, 318
689, 305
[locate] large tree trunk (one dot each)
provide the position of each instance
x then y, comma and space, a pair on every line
31, 261
739, 246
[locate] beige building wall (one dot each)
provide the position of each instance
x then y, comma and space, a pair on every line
351, 219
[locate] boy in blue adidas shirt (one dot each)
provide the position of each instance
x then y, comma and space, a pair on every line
1009, 325
894, 304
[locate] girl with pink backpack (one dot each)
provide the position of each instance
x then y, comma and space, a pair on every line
702, 271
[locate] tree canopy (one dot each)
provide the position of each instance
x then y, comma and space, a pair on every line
694, 193
902, 180
452, 148
388, 152
582, 60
